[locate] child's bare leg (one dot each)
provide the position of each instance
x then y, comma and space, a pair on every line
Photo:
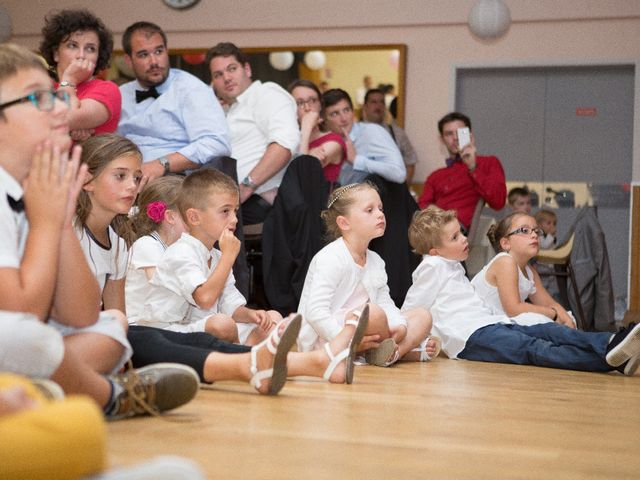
256, 336
315, 363
223, 327
378, 326
76, 377
99, 352
419, 322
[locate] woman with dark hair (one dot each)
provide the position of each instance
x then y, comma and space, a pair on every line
77, 45
328, 147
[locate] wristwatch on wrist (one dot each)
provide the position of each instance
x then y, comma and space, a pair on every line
64, 83
248, 182
164, 161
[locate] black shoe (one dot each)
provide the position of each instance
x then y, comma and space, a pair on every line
624, 345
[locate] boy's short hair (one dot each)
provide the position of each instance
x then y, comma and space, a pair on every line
14, 58
426, 228
517, 192
546, 215
198, 185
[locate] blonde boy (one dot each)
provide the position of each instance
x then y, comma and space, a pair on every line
193, 288
469, 330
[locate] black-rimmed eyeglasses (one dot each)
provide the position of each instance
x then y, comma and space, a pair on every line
44, 100
525, 231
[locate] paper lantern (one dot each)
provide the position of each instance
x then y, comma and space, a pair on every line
489, 18
281, 60
193, 58
315, 59
394, 59
5, 25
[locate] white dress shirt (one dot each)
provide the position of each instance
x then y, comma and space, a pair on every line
264, 113
14, 225
376, 152
186, 118
441, 286
332, 279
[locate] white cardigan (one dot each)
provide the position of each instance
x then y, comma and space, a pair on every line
331, 280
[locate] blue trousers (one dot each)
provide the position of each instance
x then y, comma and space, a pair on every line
545, 345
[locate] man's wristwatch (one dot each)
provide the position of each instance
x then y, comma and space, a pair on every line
248, 182
164, 161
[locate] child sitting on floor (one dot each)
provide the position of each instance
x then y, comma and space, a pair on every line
345, 275
470, 330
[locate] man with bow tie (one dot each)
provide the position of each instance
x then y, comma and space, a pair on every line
171, 115
467, 178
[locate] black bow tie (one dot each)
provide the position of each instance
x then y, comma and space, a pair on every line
16, 205
142, 95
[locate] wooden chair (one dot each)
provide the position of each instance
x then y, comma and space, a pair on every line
560, 258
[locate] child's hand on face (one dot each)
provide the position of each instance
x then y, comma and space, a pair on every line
229, 243
52, 187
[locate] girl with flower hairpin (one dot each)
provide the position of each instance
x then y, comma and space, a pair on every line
345, 276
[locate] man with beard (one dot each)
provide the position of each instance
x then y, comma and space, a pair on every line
172, 116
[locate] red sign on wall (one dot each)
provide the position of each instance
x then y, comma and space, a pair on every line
586, 111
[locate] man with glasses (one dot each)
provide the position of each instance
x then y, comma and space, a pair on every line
370, 148
172, 116
263, 127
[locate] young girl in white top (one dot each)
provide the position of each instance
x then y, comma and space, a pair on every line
345, 276
508, 280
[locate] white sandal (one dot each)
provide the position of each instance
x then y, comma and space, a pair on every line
348, 353
279, 347
424, 356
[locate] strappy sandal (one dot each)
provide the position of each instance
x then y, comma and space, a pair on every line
385, 355
348, 353
279, 347
424, 356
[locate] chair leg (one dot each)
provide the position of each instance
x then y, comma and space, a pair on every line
580, 318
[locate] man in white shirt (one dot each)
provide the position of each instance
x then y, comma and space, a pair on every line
262, 125
370, 148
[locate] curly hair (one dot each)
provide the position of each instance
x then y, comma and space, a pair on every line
426, 228
59, 26
339, 204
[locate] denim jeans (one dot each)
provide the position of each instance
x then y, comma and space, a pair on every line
545, 345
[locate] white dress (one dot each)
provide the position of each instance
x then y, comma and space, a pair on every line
146, 252
491, 297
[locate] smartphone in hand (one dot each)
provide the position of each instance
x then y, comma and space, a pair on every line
464, 137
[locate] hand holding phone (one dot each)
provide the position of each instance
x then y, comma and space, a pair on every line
464, 137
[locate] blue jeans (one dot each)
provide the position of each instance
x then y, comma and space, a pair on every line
545, 345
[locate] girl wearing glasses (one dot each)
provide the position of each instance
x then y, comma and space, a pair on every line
508, 280
77, 46
328, 147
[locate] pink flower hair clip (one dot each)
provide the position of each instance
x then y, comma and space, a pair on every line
156, 210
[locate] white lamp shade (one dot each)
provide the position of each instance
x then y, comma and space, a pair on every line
315, 59
489, 18
5, 25
281, 60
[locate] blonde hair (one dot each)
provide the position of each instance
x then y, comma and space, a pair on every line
426, 228
340, 201
543, 215
197, 187
97, 153
14, 58
163, 189
501, 229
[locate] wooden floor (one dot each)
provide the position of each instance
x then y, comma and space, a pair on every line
444, 419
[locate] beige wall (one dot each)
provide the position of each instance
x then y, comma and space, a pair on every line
543, 32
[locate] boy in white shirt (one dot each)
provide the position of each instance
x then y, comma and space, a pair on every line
469, 330
193, 288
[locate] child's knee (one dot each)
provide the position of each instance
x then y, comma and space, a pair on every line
378, 322
223, 327
119, 317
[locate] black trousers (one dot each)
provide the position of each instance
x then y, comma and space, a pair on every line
154, 345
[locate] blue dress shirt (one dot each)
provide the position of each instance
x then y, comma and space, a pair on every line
186, 118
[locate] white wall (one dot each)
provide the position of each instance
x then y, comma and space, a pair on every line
435, 32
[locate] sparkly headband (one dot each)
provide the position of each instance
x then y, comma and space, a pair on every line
342, 192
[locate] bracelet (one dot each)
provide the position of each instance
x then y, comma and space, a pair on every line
64, 83
555, 316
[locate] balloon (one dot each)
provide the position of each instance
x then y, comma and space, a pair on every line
281, 60
315, 59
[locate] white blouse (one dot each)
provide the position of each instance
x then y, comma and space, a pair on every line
145, 252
